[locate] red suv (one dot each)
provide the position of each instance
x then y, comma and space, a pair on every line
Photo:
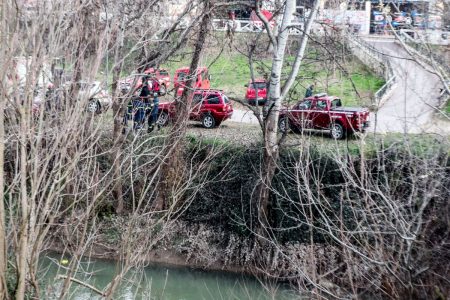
211, 107
180, 78
250, 95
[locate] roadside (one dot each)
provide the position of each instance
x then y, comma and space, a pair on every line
250, 134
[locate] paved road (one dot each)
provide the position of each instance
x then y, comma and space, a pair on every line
410, 107
412, 104
244, 115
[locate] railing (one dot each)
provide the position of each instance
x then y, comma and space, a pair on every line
250, 26
384, 63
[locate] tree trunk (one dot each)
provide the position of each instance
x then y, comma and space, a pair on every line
22, 253
271, 150
3, 241
170, 173
118, 115
301, 50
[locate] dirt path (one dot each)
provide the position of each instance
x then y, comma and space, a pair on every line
412, 104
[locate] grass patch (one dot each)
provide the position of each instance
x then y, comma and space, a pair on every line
230, 72
418, 144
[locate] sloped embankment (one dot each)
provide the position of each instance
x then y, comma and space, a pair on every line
361, 220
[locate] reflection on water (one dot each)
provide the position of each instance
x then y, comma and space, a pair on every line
157, 282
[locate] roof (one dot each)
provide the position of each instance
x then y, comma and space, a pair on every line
258, 80
322, 96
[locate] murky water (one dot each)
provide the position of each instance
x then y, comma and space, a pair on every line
158, 282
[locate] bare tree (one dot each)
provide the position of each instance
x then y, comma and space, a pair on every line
53, 170
274, 100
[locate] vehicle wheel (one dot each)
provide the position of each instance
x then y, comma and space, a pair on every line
163, 118
283, 125
208, 121
337, 131
162, 90
296, 129
94, 106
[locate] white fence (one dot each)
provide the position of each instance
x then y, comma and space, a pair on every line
250, 26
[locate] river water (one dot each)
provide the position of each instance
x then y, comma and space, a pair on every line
158, 282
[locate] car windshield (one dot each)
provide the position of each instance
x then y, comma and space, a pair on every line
258, 85
225, 99
164, 73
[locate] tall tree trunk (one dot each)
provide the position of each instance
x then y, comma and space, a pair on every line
271, 149
3, 241
301, 49
22, 253
170, 173
117, 113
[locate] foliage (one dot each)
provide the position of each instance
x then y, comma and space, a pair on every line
227, 202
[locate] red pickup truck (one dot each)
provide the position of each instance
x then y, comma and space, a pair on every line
324, 112
210, 107
180, 78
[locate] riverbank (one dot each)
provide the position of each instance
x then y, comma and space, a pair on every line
321, 211
196, 247
156, 281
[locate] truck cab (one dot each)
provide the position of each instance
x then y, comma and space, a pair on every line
180, 78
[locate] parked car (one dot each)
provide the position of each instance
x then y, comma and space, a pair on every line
202, 81
99, 98
210, 107
250, 94
324, 112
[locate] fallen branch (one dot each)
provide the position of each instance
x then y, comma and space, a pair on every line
83, 284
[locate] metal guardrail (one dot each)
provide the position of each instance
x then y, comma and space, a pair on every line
388, 71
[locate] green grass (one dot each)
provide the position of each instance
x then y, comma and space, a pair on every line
447, 108
230, 72
422, 145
